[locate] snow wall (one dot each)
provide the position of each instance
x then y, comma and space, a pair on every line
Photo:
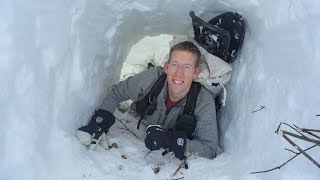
58, 59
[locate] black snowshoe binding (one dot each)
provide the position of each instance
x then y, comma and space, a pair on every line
222, 36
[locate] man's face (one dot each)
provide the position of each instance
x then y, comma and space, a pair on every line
181, 70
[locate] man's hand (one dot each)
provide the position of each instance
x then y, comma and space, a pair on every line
158, 138
155, 139
95, 132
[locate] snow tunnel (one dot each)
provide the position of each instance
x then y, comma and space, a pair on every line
58, 59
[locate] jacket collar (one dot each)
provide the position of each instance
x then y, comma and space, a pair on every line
164, 92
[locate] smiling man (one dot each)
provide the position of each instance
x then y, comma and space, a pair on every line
180, 113
181, 69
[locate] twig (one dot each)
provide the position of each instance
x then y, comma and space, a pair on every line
127, 128
318, 115
308, 131
123, 128
305, 130
177, 170
278, 167
176, 178
301, 137
147, 154
285, 135
182, 165
295, 129
261, 107
132, 113
290, 150
299, 149
299, 130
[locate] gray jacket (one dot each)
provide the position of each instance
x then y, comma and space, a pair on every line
205, 142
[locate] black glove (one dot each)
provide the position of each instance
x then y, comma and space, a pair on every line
95, 131
158, 138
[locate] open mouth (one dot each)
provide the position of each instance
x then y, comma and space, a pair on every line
178, 81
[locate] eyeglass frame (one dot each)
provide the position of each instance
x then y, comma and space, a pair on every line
183, 68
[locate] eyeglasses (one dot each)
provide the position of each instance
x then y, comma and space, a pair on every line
184, 68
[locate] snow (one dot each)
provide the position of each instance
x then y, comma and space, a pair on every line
58, 59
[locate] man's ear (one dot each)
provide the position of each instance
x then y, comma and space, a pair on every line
165, 67
196, 73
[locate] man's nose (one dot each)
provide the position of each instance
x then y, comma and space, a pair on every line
179, 70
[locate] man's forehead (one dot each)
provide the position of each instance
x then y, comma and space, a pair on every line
183, 55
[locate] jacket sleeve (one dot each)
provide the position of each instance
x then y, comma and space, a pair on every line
206, 140
132, 88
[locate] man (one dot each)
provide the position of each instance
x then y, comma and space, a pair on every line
181, 69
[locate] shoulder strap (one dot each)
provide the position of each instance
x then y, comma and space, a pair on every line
152, 95
192, 98
156, 88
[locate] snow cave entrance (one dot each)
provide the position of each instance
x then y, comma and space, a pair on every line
148, 50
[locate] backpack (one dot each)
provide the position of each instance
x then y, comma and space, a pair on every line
219, 41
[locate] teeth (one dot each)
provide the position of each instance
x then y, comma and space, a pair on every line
177, 82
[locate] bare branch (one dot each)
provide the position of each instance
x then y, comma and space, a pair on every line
133, 114
290, 150
278, 128
176, 178
182, 165
177, 170
301, 151
147, 154
308, 131
261, 107
278, 167
127, 128
301, 137
291, 128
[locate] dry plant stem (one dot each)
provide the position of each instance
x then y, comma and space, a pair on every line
147, 154
301, 137
176, 178
178, 169
308, 131
277, 131
134, 116
312, 134
261, 107
128, 128
290, 150
301, 151
304, 130
123, 128
278, 167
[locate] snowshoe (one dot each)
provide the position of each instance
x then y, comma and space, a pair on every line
222, 36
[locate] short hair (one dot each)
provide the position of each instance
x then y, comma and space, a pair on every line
187, 46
